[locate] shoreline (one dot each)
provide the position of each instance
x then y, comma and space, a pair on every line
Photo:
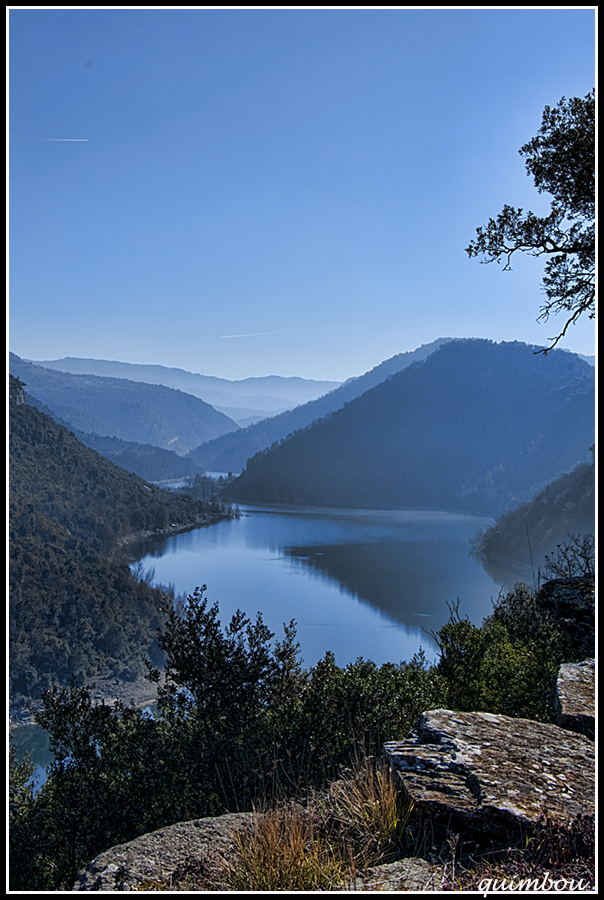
141, 691
201, 520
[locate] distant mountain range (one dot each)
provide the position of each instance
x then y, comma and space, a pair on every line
129, 410
230, 453
475, 427
240, 400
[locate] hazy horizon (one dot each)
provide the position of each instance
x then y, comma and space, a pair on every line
249, 192
589, 357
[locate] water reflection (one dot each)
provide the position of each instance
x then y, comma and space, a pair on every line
34, 741
358, 582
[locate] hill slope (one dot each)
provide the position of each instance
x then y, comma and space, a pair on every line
477, 427
131, 411
268, 394
523, 537
149, 462
230, 452
72, 610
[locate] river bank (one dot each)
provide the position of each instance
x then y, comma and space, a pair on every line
135, 537
139, 692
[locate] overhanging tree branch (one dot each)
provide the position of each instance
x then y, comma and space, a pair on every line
561, 159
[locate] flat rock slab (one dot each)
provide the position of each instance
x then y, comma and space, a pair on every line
576, 697
154, 857
486, 772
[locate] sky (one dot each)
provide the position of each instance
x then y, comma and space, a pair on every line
276, 191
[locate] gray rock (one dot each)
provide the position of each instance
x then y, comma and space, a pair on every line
156, 856
576, 697
405, 875
485, 773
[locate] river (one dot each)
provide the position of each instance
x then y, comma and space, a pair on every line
364, 583
358, 582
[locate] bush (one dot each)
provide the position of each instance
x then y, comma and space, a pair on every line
509, 665
241, 725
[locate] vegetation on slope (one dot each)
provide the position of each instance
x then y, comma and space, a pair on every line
146, 460
72, 610
149, 462
523, 537
477, 427
132, 411
241, 723
231, 451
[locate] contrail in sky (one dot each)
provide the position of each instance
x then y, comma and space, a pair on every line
78, 140
254, 334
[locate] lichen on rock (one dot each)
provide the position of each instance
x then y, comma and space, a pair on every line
488, 772
575, 697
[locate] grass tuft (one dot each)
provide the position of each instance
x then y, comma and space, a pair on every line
284, 851
359, 822
370, 813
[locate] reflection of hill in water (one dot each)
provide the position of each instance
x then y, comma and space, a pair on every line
410, 581
513, 573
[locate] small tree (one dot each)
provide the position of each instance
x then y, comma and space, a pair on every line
575, 559
561, 160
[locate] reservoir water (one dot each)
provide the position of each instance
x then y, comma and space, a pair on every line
357, 582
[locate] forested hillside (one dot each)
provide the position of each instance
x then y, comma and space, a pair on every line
477, 427
131, 411
149, 462
72, 610
230, 452
523, 537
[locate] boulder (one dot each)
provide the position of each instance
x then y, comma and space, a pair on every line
201, 844
486, 773
576, 698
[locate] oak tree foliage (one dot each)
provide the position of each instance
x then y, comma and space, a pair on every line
561, 161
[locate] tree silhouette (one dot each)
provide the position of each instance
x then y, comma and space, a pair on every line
561, 160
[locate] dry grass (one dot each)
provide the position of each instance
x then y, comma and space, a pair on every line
368, 813
363, 821
359, 822
552, 858
284, 851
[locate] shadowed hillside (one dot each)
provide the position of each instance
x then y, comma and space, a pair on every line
523, 537
477, 427
72, 610
230, 452
131, 411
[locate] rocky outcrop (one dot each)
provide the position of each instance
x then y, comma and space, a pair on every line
479, 774
575, 697
202, 845
484, 773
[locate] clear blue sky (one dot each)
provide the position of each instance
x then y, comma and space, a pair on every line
306, 178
